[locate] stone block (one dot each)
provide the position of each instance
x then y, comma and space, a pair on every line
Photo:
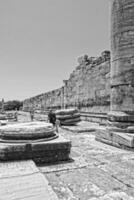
40, 151
118, 138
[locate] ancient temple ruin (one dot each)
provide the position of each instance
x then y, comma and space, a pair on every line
103, 87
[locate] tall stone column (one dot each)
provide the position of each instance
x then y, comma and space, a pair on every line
2, 107
120, 128
62, 97
65, 93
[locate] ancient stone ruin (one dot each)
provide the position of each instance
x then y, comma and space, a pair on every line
102, 88
120, 127
88, 88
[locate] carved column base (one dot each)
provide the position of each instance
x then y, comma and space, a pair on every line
119, 131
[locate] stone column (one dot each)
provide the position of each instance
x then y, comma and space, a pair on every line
122, 63
62, 98
2, 107
120, 129
65, 93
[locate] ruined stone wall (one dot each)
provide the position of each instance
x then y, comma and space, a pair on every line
89, 85
44, 101
87, 88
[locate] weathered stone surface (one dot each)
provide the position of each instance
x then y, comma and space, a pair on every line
27, 131
122, 98
110, 169
119, 116
82, 127
22, 180
122, 69
118, 138
40, 151
11, 169
120, 125
107, 174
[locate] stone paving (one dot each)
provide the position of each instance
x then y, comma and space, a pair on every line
22, 180
97, 171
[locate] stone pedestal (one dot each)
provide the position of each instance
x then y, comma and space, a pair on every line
120, 127
35, 140
40, 151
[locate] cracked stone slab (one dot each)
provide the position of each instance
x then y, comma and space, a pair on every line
23, 181
63, 192
21, 168
85, 183
76, 163
114, 196
122, 172
85, 191
118, 139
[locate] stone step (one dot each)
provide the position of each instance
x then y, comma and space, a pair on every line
116, 138
23, 181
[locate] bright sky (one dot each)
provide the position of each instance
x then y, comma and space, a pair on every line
40, 41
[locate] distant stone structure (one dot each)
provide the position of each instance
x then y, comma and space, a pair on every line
88, 88
2, 106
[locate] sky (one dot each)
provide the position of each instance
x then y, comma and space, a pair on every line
41, 40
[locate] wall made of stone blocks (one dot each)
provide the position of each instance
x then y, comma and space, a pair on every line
44, 101
87, 88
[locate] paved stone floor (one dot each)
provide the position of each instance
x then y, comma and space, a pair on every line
97, 171
22, 180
